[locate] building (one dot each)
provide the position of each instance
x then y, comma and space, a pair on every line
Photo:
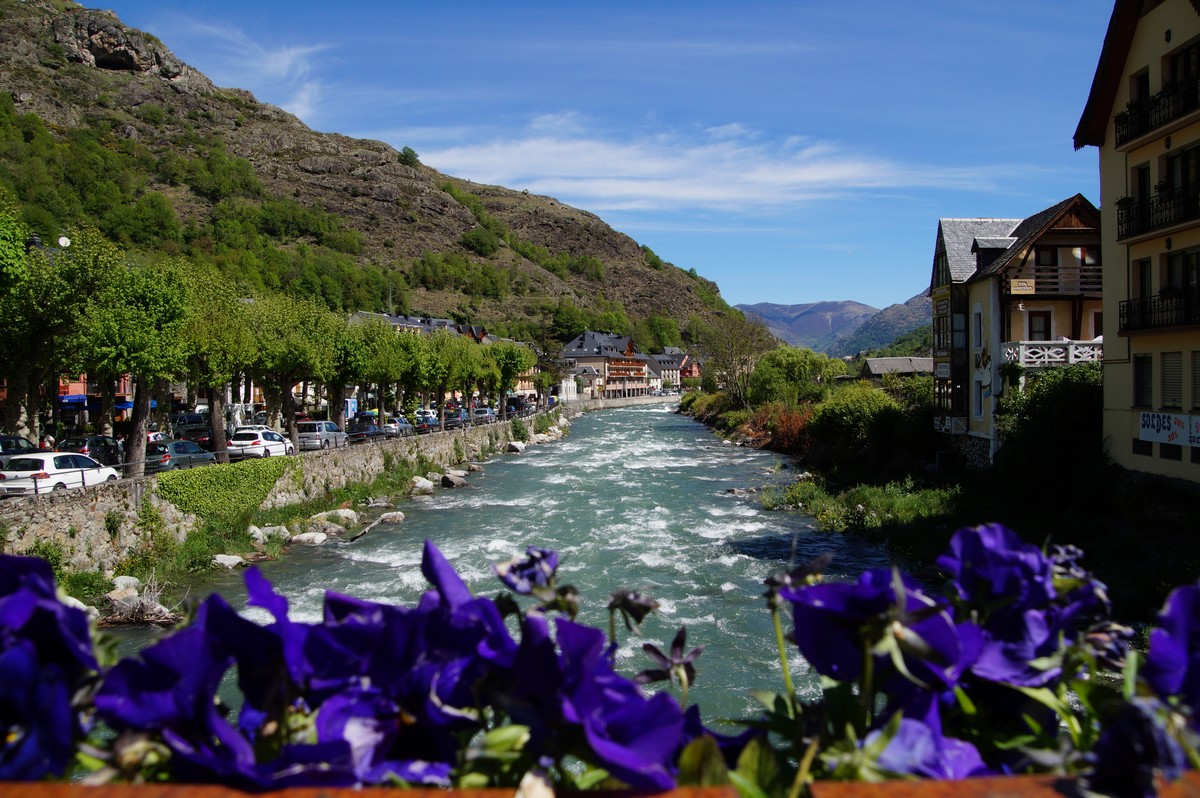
1143, 115
874, 368
1025, 292
622, 368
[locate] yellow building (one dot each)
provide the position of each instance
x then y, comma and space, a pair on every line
1010, 297
1143, 114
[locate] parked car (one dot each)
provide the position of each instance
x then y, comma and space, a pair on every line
320, 435
258, 443
172, 455
201, 436
101, 448
12, 445
43, 472
363, 431
397, 427
483, 415
457, 419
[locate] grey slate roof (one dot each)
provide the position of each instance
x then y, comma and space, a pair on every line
993, 243
957, 237
878, 366
1032, 228
594, 344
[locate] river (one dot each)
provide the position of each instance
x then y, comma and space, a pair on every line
638, 497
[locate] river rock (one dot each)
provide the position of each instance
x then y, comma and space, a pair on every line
310, 538
395, 517
228, 560
451, 481
125, 601
342, 516
455, 472
474, 468
123, 582
91, 612
325, 527
516, 446
422, 486
379, 503
261, 535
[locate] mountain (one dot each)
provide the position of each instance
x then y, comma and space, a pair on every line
138, 143
817, 326
841, 328
886, 326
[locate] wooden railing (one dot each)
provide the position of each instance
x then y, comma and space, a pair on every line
1050, 354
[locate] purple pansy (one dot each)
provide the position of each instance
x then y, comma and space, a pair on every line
990, 564
1136, 752
632, 736
835, 622
45, 659
1173, 662
532, 574
919, 750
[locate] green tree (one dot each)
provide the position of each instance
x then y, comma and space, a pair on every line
136, 325
511, 360
733, 343
792, 374
220, 342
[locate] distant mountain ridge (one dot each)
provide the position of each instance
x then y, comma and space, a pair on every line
843, 327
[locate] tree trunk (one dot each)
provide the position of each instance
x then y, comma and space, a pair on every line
135, 447
216, 422
337, 404
108, 401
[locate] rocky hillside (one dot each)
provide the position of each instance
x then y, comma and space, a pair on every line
886, 326
817, 326
83, 69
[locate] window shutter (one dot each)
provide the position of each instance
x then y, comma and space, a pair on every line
1172, 379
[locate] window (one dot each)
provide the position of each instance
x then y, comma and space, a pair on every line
960, 330
1170, 451
1183, 170
1196, 380
1047, 258
1097, 324
1143, 283
1141, 182
1039, 325
977, 329
1183, 270
1143, 380
1172, 379
977, 397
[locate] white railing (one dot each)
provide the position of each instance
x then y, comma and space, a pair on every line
952, 425
1049, 354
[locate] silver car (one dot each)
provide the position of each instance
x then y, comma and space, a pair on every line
320, 435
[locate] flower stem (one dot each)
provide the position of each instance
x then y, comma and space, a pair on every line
802, 772
783, 658
683, 684
612, 628
867, 691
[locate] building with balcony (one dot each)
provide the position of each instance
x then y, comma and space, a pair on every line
622, 369
1025, 292
1143, 115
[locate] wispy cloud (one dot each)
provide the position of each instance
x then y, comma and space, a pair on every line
728, 168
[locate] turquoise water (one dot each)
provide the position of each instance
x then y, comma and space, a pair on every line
637, 498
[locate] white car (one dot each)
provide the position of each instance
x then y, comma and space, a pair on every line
258, 443
43, 472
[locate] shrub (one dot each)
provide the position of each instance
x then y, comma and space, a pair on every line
519, 431
853, 432
408, 157
224, 491
481, 241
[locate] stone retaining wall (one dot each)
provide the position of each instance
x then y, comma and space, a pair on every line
98, 527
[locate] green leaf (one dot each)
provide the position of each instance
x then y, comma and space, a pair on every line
701, 764
747, 788
758, 765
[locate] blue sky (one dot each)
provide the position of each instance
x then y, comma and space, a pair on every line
793, 152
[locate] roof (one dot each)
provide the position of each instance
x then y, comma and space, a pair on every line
1110, 71
878, 366
1034, 227
992, 243
957, 237
597, 344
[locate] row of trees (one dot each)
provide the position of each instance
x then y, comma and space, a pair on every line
86, 307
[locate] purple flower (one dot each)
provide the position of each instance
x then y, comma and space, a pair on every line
989, 564
633, 606
631, 736
37, 724
1173, 662
1136, 752
45, 660
918, 750
883, 612
678, 665
534, 574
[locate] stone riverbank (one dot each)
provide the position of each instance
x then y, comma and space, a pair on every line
98, 527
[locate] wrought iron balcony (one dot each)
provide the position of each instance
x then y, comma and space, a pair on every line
1169, 309
1172, 103
1169, 206
1050, 354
